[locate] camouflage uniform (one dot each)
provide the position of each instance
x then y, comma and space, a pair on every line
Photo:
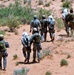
35, 39
26, 47
44, 24
4, 54
35, 24
51, 23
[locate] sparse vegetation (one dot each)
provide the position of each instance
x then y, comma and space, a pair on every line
44, 53
12, 23
48, 73
59, 23
29, 2
40, 2
2, 32
17, 63
43, 12
47, 4
66, 4
68, 56
22, 71
62, 0
15, 57
63, 62
25, 1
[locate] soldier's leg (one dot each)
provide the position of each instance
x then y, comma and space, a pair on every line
67, 29
38, 55
0, 63
53, 36
50, 35
45, 35
34, 54
28, 57
24, 53
4, 62
42, 36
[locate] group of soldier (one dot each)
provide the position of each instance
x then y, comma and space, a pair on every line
39, 29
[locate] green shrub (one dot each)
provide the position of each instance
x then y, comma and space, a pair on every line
68, 56
62, 0
47, 4
48, 73
43, 12
17, 63
40, 2
2, 5
2, 32
29, 2
25, 1
15, 57
63, 62
22, 71
12, 22
66, 4
44, 53
59, 23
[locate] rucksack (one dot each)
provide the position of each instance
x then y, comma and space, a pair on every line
37, 39
69, 17
35, 24
2, 46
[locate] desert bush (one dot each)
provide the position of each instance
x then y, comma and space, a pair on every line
17, 63
43, 12
40, 2
25, 1
59, 23
2, 5
15, 57
63, 62
47, 4
22, 71
2, 32
12, 23
68, 56
21, 14
48, 73
66, 4
44, 53
29, 2
62, 0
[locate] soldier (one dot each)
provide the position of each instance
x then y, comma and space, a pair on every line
65, 12
44, 24
36, 40
51, 23
3, 52
69, 20
35, 23
26, 46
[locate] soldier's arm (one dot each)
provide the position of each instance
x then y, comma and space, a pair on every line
22, 40
31, 39
6, 44
31, 25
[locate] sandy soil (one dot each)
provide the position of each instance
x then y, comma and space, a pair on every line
59, 50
